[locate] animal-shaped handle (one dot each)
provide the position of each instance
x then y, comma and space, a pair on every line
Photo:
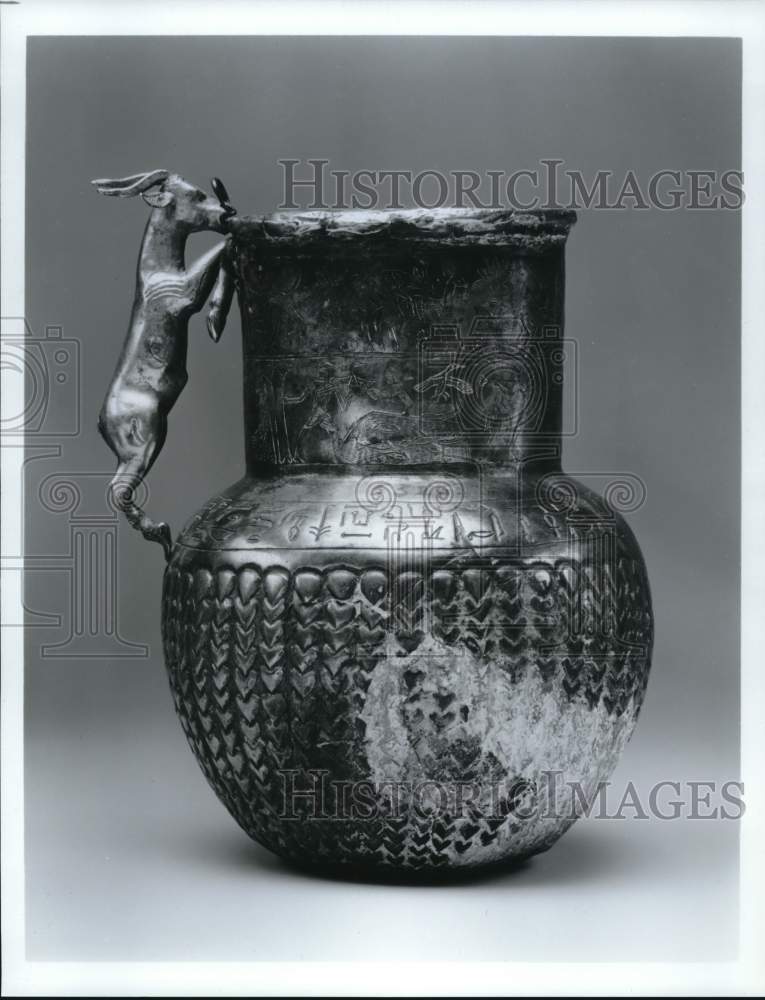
151, 370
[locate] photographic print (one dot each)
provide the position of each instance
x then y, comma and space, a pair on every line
380, 462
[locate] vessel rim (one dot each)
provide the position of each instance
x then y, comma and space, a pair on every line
447, 226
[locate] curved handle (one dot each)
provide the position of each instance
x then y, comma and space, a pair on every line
151, 370
122, 493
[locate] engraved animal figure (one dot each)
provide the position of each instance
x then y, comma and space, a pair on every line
378, 437
444, 381
151, 370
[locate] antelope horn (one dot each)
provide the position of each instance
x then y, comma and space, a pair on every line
128, 187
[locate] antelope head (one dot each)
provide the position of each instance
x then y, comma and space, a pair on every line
180, 203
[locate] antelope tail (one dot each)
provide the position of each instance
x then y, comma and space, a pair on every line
121, 490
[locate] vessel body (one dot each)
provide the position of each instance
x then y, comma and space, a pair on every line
405, 638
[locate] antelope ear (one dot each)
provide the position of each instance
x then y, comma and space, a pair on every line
157, 198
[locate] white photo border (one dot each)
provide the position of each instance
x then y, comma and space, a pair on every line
715, 18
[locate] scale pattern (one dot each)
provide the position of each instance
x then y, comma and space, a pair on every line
271, 671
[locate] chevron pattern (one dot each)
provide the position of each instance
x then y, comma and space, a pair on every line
272, 673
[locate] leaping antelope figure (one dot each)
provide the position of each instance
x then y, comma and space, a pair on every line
151, 370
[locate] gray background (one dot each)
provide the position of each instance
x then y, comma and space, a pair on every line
129, 855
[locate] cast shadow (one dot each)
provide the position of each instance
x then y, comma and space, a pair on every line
582, 855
